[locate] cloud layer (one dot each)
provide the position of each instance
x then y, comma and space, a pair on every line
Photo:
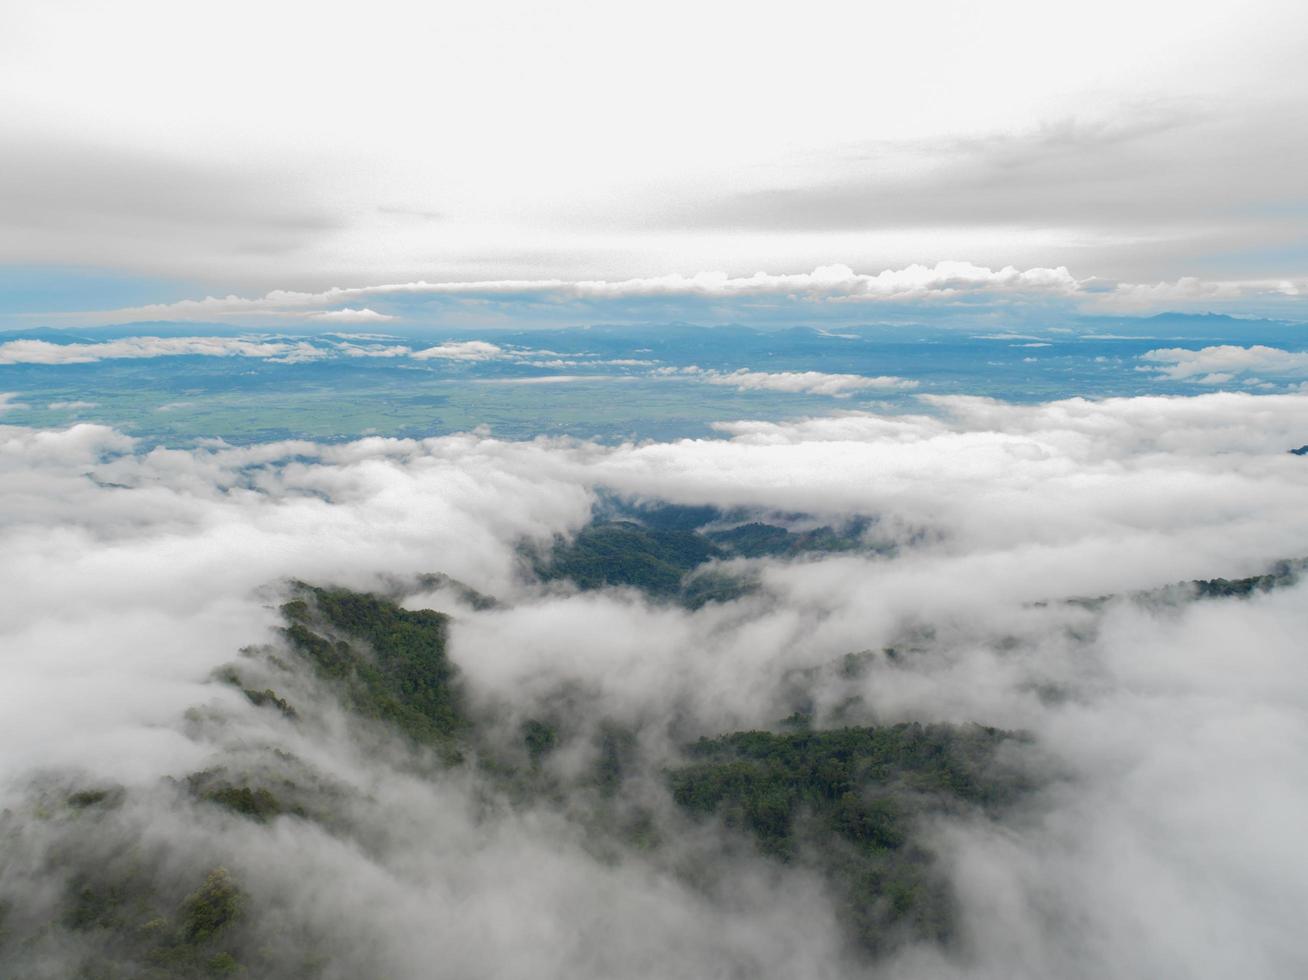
44, 352
1222, 364
468, 350
450, 352
837, 288
131, 574
801, 382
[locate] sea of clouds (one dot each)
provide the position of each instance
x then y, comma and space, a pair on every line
1165, 839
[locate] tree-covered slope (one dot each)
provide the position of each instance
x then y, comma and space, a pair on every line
389, 663
851, 803
623, 553
89, 882
661, 550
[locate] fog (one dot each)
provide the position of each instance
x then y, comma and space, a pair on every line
1164, 737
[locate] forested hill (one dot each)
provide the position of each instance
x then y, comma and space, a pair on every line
179, 879
845, 804
667, 551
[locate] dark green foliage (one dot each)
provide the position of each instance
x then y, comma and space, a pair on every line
847, 802
269, 697
297, 611
616, 746
246, 795
223, 965
1222, 588
210, 910
257, 804
391, 661
800, 720
103, 903
271, 786
439, 580
540, 738
113, 902
123, 911
938, 758
753, 540
658, 554
673, 517
758, 540
1283, 573
701, 588
332, 659
106, 798
266, 697
625, 553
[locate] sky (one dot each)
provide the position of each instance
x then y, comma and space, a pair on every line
269, 163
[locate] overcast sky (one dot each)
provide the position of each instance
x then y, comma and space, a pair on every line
172, 151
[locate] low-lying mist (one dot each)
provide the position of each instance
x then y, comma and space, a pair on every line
915, 697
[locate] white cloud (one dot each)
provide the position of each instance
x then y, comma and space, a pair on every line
1223, 363
800, 382
281, 350
7, 402
554, 379
557, 363
374, 350
70, 406
462, 350
833, 282
943, 283
44, 352
347, 315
